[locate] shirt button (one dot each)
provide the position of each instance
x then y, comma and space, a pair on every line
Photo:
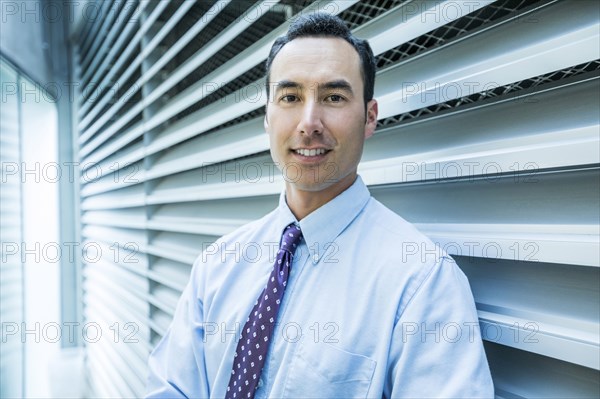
315, 258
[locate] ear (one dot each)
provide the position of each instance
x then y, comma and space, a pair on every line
371, 118
266, 120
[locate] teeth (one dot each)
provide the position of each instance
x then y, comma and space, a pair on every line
310, 153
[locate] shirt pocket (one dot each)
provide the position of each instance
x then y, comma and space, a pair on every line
320, 370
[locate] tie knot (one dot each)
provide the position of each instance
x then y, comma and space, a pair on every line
291, 238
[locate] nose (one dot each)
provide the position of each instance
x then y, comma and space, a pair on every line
311, 122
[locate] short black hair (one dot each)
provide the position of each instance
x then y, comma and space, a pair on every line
320, 24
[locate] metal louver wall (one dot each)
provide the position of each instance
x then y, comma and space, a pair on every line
488, 142
12, 307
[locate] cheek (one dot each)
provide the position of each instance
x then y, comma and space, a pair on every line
349, 120
280, 130
276, 144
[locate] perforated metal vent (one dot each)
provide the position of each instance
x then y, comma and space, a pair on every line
535, 82
364, 11
455, 29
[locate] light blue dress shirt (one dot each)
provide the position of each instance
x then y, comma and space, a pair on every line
372, 309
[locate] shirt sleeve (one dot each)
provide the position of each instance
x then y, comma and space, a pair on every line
436, 348
176, 365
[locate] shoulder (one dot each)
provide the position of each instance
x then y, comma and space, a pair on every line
254, 232
405, 256
221, 260
231, 246
378, 221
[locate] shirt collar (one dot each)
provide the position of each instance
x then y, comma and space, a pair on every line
321, 227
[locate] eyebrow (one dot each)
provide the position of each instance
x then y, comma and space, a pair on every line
340, 84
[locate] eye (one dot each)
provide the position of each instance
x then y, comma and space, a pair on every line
289, 98
334, 98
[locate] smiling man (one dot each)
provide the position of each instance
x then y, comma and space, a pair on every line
337, 310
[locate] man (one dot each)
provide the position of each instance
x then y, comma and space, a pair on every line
340, 311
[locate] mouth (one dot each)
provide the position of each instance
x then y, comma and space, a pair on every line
311, 152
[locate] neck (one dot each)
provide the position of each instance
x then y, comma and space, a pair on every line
303, 202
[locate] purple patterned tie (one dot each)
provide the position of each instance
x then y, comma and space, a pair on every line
253, 345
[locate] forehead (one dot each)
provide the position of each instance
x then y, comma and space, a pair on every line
317, 59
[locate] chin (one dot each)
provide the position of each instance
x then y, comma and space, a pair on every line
312, 186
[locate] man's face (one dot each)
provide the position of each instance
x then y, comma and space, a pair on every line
316, 114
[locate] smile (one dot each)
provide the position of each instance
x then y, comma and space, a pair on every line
312, 152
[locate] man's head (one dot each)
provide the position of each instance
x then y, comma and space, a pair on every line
318, 115
326, 25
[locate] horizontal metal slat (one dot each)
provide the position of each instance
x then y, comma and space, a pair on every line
122, 177
11, 222
180, 247
103, 34
424, 150
525, 374
256, 176
412, 19
126, 15
131, 282
113, 163
102, 289
546, 308
128, 256
12, 275
127, 218
117, 326
170, 273
541, 338
125, 37
11, 352
94, 26
555, 243
213, 227
111, 322
100, 382
128, 197
136, 332
233, 142
124, 55
206, 52
10, 133
568, 197
213, 218
207, 227
160, 321
119, 373
160, 35
157, 251
12, 310
165, 299
115, 236
11, 196
507, 52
